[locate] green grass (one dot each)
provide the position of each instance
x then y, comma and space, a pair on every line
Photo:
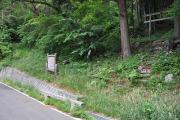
81, 113
104, 93
59, 104
26, 89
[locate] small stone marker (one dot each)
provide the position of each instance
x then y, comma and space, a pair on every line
51, 64
169, 78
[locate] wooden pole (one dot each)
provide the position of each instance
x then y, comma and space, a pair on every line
161, 19
149, 27
2, 17
150, 20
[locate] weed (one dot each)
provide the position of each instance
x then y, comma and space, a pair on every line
60, 105
78, 112
27, 89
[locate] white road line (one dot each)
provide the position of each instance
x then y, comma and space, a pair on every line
39, 101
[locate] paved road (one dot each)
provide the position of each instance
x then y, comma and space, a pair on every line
16, 106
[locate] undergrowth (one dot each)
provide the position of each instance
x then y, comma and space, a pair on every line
109, 83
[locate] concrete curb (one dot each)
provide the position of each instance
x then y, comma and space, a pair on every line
43, 87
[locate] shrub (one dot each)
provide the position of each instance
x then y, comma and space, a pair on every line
163, 64
128, 69
4, 34
5, 50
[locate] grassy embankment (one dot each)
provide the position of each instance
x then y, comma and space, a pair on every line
114, 86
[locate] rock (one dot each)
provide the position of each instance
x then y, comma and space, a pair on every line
66, 62
144, 69
161, 45
169, 78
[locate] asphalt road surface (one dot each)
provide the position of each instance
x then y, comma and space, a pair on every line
16, 106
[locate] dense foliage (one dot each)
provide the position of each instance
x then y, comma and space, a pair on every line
89, 28
4, 50
86, 36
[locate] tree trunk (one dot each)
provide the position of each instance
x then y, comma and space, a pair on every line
125, 47
35, 10
177, 27
132, 16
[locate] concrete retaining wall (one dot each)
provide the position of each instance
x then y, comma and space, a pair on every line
45, 88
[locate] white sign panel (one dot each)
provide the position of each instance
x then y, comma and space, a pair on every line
51, 63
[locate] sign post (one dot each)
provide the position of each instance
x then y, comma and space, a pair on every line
51, 64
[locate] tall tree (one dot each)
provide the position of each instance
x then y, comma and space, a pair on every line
125, 45
177, 19
177, 27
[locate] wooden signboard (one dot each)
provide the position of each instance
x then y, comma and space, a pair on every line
51, 64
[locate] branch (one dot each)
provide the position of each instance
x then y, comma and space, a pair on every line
41, 2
